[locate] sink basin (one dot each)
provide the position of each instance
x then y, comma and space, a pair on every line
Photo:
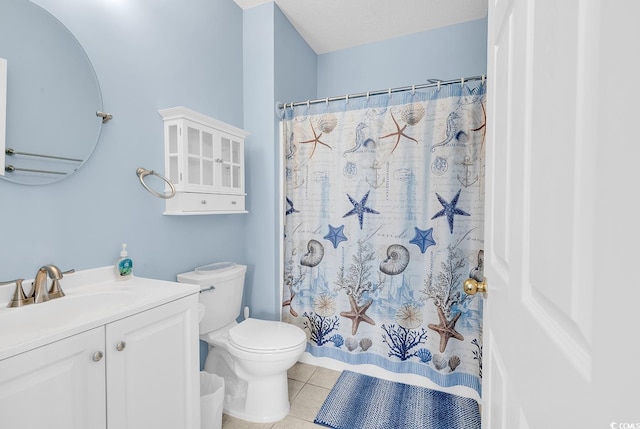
92, 298
36, 320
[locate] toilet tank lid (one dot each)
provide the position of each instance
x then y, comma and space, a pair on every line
216, 267
207, 278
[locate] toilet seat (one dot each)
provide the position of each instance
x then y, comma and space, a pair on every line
266, 336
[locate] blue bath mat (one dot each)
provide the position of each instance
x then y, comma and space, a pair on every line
358, 401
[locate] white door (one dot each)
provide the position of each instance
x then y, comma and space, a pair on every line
562, 329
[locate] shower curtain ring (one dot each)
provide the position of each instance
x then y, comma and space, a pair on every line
413, 89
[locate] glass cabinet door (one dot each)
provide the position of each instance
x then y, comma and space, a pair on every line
236, 168
200, 160
230, 164
225, 165
173, 156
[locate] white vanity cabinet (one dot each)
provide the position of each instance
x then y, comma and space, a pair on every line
154, 354
204, 159
60, 385
141, 371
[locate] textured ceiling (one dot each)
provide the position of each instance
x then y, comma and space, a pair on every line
331, 25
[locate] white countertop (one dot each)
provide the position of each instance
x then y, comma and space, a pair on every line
93, 298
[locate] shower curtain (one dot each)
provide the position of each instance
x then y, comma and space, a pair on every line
383, 223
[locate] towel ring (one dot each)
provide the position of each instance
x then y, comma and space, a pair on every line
142, 173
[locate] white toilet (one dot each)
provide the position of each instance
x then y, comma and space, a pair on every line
252, 356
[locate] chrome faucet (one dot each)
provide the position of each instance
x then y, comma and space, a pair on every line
39, 291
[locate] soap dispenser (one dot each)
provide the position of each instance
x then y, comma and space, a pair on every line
124, 265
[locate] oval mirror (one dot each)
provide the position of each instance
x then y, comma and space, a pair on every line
53, 96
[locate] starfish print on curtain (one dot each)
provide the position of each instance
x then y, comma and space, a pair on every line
446, 329
399, 132
357, 314
450, 209
335, 235
423, 239
360, 208
315, 140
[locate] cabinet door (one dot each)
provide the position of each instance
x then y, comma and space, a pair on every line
230, 165
172, 147
199, 159
60, 385
152, 368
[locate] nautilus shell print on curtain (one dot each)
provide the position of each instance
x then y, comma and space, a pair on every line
315, 253
396, 261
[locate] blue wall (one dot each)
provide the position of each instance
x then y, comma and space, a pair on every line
277, 63
209, 56
147, 55
296, 64
261, 242
444, 53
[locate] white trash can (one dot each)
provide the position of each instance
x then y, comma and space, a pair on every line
211, 400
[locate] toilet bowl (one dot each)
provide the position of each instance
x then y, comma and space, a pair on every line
255, 369
252, 356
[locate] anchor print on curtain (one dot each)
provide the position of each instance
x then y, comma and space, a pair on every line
383, 223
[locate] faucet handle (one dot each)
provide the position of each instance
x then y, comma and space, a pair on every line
19, 298
56, 291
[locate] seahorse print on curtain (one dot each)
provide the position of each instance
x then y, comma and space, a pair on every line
383, 223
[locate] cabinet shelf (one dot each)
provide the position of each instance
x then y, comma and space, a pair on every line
204, 159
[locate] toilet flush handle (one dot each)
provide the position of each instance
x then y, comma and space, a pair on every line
209, 289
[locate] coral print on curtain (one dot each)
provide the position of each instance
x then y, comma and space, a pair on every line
383, 223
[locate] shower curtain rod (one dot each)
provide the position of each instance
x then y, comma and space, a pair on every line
431, 83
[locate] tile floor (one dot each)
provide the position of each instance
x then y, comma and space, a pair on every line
309, 386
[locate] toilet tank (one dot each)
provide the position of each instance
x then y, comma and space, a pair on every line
221, 286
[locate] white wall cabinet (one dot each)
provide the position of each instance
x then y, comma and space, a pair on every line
204, 159
137, 372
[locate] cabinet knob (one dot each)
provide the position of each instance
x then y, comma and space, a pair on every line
97, 356
120, 346
203, 202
